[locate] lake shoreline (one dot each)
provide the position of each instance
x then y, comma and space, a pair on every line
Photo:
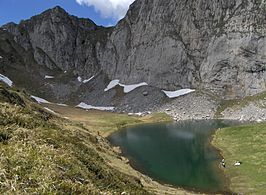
67, 113
190, 189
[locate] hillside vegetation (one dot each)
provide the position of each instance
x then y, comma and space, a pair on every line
44, 154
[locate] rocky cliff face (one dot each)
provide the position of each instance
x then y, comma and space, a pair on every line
61, 41
215, 45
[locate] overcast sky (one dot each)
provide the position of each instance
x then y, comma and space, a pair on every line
102, 12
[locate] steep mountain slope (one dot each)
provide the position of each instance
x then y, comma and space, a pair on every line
216, 46
20, 66
64, 48
59, 40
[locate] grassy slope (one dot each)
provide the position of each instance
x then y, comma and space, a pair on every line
246, 144
105, 122
43, 154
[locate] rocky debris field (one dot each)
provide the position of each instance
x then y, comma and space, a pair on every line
198, 106
190, 106
254, 111
143, 99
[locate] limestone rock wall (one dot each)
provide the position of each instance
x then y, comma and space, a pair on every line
214, 45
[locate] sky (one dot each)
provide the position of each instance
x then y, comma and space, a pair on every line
102, 12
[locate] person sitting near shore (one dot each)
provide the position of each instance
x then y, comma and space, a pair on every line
237, 163
223, 162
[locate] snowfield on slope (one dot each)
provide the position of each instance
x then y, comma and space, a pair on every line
174, 94
90, 107
40, 100
48, 77
49, 110
127, 88
79, 79
112, 84
6, 80
88, 80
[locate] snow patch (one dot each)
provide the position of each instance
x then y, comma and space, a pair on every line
40, 100
6, 80
49, 110
140, 114
174, 94
127, 88
62, 105
112, 84
79, 79
89, 107
88, 80
48, 77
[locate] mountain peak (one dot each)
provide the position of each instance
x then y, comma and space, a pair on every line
58, 9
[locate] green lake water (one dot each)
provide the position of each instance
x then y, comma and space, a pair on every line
179, 154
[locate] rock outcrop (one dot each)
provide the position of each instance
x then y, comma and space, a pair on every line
214, 45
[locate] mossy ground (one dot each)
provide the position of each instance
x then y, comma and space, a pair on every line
246, 144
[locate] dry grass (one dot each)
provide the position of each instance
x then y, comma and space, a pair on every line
105, 122
43, 154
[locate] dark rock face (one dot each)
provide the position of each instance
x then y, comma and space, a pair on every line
215, 45
59, 40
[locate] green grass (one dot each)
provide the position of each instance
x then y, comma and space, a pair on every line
43, 154
238, 102
248, 145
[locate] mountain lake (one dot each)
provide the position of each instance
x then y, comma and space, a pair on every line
179, 154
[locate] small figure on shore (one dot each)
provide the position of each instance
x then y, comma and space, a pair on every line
223, 163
